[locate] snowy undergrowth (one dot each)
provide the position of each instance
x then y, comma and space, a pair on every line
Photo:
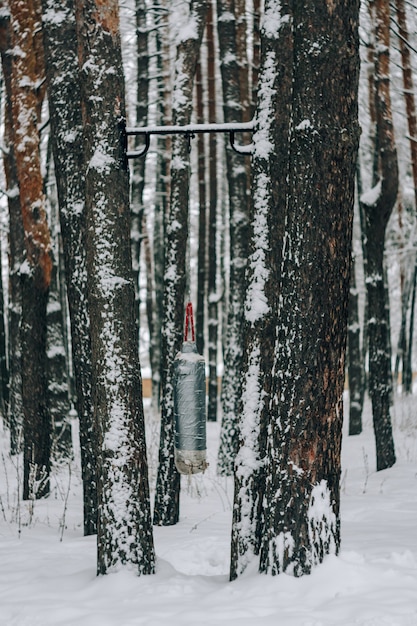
51, 582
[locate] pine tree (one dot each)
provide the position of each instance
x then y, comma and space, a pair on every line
67, 144
166, 511
288, 467
124, 529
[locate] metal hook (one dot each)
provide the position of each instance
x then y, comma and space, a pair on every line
133, 154
245, 150
189, 136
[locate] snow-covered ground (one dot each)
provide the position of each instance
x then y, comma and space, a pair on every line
48, 569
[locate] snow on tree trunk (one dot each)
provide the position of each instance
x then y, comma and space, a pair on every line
307, 131
124, 529
26, 78
302, 522
266, 230
16, 245
67, 145
166, 511
238, 221
377, 205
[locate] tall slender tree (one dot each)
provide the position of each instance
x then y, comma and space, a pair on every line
124, 529
166, 511
238, 228
377, 205
16, 241
26, 79
213, 298
406, 342
64, 98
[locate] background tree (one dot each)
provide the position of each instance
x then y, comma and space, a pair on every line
377, 205
166, 509
67, 144
238, 229
26, 80
124, 530
16, 242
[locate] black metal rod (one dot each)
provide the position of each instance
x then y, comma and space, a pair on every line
189, 130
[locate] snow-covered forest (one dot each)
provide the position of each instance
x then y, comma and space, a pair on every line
257, 160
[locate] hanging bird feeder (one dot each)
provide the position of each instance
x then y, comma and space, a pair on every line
189, 381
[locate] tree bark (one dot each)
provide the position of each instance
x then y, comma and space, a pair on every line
238, 225
35, 275
16, 243
67, 144
403, 39
355, 370
202, 215
377, 205
307, 130
124, 530
138, 178
166, 511
266, 233
213, 298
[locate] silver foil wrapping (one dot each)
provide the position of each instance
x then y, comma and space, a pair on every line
189, 379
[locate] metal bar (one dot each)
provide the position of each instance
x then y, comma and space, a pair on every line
189, 130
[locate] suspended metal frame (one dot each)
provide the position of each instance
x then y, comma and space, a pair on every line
189, 131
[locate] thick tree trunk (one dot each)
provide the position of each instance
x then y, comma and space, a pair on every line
66, 126
124, 530
238, 224
377, 205
166, 511
266, 233
302, 525
312, 141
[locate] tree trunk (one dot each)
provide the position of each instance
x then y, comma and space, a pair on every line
36, 272
355, 370
238, 224
162, 192
138, 178
312, 141
16, 243
213, 312
302, 525
66, 132
266, 232
403, 39
202, 221
166, 511
58, 389
377, 205
124, 530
